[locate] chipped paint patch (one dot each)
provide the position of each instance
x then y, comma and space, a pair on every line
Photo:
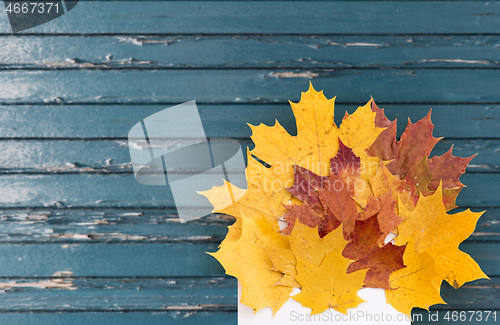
485, 234
93, 223
140, 41
65, 246
290, 74
116, 236
120, 236
47, 284
359, 44
458, 61
485, 166
71, 236
71, 63
167, 144
195, 307
63, 274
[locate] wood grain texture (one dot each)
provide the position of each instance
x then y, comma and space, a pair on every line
120, 318
242, 86
270, 17
251, 51
57, 294
112, 156
114, 121
117, 260
110, 225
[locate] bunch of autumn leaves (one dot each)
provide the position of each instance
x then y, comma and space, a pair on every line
336, 209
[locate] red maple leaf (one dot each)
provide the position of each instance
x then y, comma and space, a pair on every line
415, 144
364, 248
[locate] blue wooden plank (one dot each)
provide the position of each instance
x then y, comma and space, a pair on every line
484, 292
120, 318
182, 51
109, 225
112, 156
115, 121
125, 260
296, 17
240, 86
488, 226
181, 294
81, 190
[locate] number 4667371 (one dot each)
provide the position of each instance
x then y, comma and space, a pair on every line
478, 315
33, 7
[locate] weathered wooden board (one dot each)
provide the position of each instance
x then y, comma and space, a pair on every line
149, 259
127, 259
147, 225
239, 51
174, 294
430, 86
112, 156
120, 318
257, 17
221, 121
122, 190
111, 225
180, 294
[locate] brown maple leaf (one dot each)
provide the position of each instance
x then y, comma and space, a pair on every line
364, 248
385, 146
305, 187
447, 168
310, 218
327, 201
337, 198
415, 144
345, 165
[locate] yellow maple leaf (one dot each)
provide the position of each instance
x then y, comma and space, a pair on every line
438, 233
327, 284
246, 259
358, 131
224, 196
384, 182
263, 197
414, 285
306, 244
313, 146
284, 261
